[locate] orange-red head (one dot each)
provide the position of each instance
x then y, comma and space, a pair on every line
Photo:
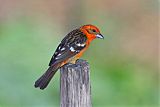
91, 32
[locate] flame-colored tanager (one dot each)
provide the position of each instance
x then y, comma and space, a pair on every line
69, 50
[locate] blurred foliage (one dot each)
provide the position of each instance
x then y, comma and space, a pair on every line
120, 76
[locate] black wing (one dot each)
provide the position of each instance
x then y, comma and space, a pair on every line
72, 44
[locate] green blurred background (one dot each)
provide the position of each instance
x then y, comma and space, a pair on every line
124, 66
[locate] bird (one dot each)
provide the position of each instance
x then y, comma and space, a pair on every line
71, 48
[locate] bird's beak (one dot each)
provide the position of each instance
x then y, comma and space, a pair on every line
99, 36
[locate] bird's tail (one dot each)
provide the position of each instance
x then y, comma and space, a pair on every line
44, 80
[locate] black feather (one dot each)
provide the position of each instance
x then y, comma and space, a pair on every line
44, 80
70, 40
62, 53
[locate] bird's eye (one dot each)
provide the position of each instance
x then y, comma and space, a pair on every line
93, 30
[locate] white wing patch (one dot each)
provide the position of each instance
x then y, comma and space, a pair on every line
59, 54
72, 49
78, 44
81, 45
59, 47
62, 49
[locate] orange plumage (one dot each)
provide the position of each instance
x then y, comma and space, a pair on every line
69, 50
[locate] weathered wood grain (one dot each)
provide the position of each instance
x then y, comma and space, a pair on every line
75, 85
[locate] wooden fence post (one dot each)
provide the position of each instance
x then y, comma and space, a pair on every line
75, 86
